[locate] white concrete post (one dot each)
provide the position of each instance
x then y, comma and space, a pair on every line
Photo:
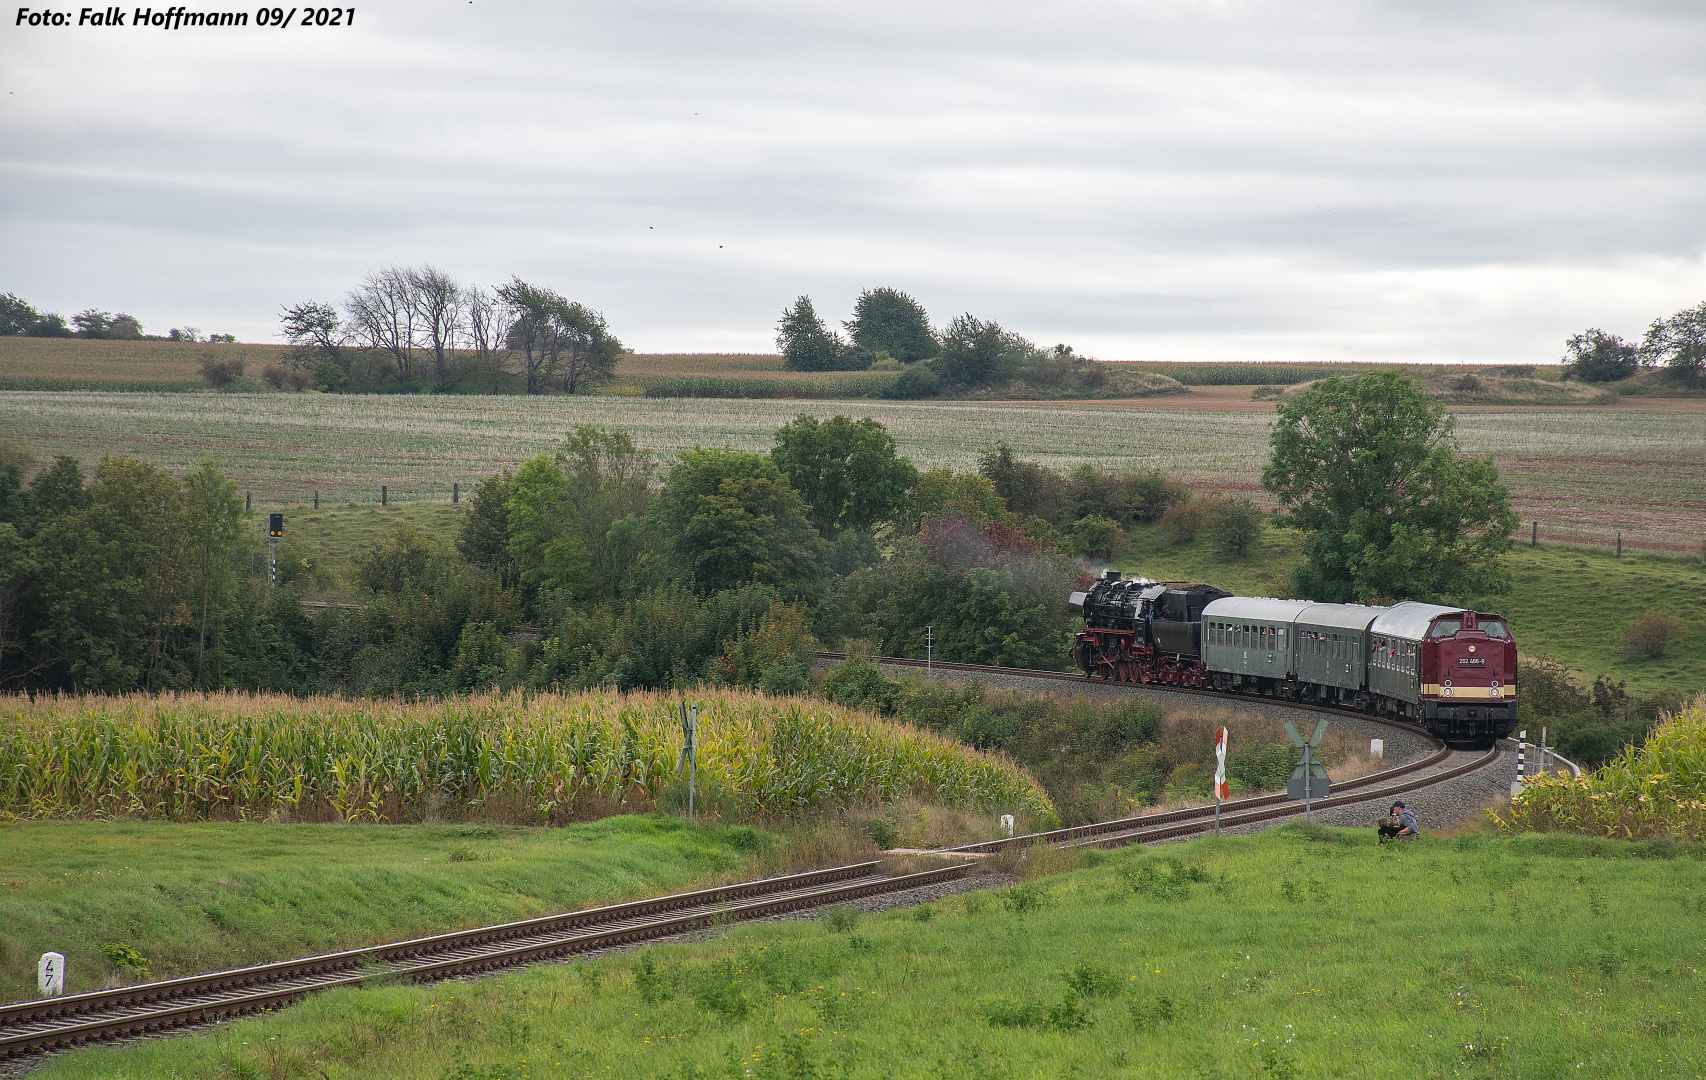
1377, 748
50, 974
1007, 823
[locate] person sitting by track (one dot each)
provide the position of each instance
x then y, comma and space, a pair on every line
1407, 827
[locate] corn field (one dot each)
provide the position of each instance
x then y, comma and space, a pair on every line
545, 758
1656, 792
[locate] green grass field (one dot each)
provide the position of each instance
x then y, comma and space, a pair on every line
1570, 604
1580, 473
1300, 952
207, 896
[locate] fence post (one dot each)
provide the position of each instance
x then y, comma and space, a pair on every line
1620, 543
1534, 537
455, 493
316, 498
383, 495
247, 496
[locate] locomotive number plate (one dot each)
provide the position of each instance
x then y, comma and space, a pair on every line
1471, 661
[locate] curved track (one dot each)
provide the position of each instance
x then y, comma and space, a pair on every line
34, 1027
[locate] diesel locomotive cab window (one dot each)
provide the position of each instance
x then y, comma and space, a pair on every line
1447, 627
1495, 629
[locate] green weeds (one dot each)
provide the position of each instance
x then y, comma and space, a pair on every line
1348, 983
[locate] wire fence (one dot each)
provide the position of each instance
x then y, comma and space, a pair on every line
1610, 538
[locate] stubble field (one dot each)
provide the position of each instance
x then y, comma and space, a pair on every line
1579, 472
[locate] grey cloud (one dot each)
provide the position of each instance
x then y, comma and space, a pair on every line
1461, 180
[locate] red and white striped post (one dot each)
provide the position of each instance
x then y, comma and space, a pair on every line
1521, 751
1220, 788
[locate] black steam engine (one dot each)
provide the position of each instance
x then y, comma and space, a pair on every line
1143, 631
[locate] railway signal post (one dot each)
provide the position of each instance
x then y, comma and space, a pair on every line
1309, 779
929, 643
275, 529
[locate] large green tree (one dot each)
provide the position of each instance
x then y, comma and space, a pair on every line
846, 470
888, 320
730, 519
1679, 343
1367, 467
973, 351
117, 582
806, 343
1595, 356
561, 344
574, 522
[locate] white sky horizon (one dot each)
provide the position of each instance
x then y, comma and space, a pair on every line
1233, 181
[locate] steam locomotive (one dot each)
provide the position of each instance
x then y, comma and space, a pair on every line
1450, 670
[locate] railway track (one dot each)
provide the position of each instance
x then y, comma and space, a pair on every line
35, 1027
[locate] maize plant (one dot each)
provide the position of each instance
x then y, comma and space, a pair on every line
227, 756
1655, 792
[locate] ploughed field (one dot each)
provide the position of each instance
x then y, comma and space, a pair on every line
1582, 473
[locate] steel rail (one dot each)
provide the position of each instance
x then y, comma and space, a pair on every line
32, 1027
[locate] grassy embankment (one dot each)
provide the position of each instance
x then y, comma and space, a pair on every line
192, 897
1298, 952
464, 768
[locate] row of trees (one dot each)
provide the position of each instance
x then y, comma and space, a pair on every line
890, 329
420, 328
717, 564
1678, 343
19, 318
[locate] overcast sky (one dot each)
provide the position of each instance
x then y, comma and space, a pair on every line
1144, 181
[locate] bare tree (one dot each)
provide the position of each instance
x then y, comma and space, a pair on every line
382, 315
489, 320
438, 303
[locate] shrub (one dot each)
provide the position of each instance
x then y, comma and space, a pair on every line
1233, 525
1181, 524
274, 375
919, 380
221, 372
1651, 634
330, 377
1096, 535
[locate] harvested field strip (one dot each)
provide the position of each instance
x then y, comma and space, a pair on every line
224, 756
1604, 469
